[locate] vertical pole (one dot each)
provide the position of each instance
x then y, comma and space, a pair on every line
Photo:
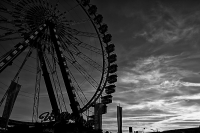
130, 130
119, 119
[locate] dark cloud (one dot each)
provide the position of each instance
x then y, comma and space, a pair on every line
190, 90
191, 102
144, 112
169, 95
186, 123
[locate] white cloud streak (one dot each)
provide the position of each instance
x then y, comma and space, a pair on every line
162, 74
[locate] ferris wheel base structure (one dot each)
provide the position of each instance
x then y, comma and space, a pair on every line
47, 127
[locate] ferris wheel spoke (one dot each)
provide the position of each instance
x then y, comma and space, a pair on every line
84, 57
5, 10
81, 98
76, 42
6, 29
45, 3
10, 38
17, 74
84, 73
2, 7
11, 55
87, 59
18, 49
77, 87
56, 82
9, 2
62, 15
5, 36
37, 91
78, 91
2, 18
11, 32
80, 33
73, 22
66, 12
6, 21
88, 47
19, 70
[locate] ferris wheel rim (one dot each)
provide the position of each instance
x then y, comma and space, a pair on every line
92, 102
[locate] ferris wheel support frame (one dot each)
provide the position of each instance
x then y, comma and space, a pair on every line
48, 83
64, 70
19, 48
16, 51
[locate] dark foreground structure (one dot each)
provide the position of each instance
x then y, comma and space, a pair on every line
61, 128
187, 130
56, 42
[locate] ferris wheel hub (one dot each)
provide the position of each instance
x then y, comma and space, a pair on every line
32, 15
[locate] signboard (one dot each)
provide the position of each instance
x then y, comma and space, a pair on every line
119, 119
11, 97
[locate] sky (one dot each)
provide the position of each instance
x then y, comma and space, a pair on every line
157, 45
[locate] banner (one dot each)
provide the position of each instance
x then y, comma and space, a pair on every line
10, 100
98, 116
119, 119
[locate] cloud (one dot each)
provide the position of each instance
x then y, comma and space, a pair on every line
148, 70
167, 25
158, 78
158, 87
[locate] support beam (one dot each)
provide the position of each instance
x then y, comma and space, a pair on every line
8, 58
11, 55
70, 90
48, 83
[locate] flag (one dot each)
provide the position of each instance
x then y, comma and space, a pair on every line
10, 100
98, 116
119, 119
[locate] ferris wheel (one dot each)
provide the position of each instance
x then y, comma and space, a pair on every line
60, 54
